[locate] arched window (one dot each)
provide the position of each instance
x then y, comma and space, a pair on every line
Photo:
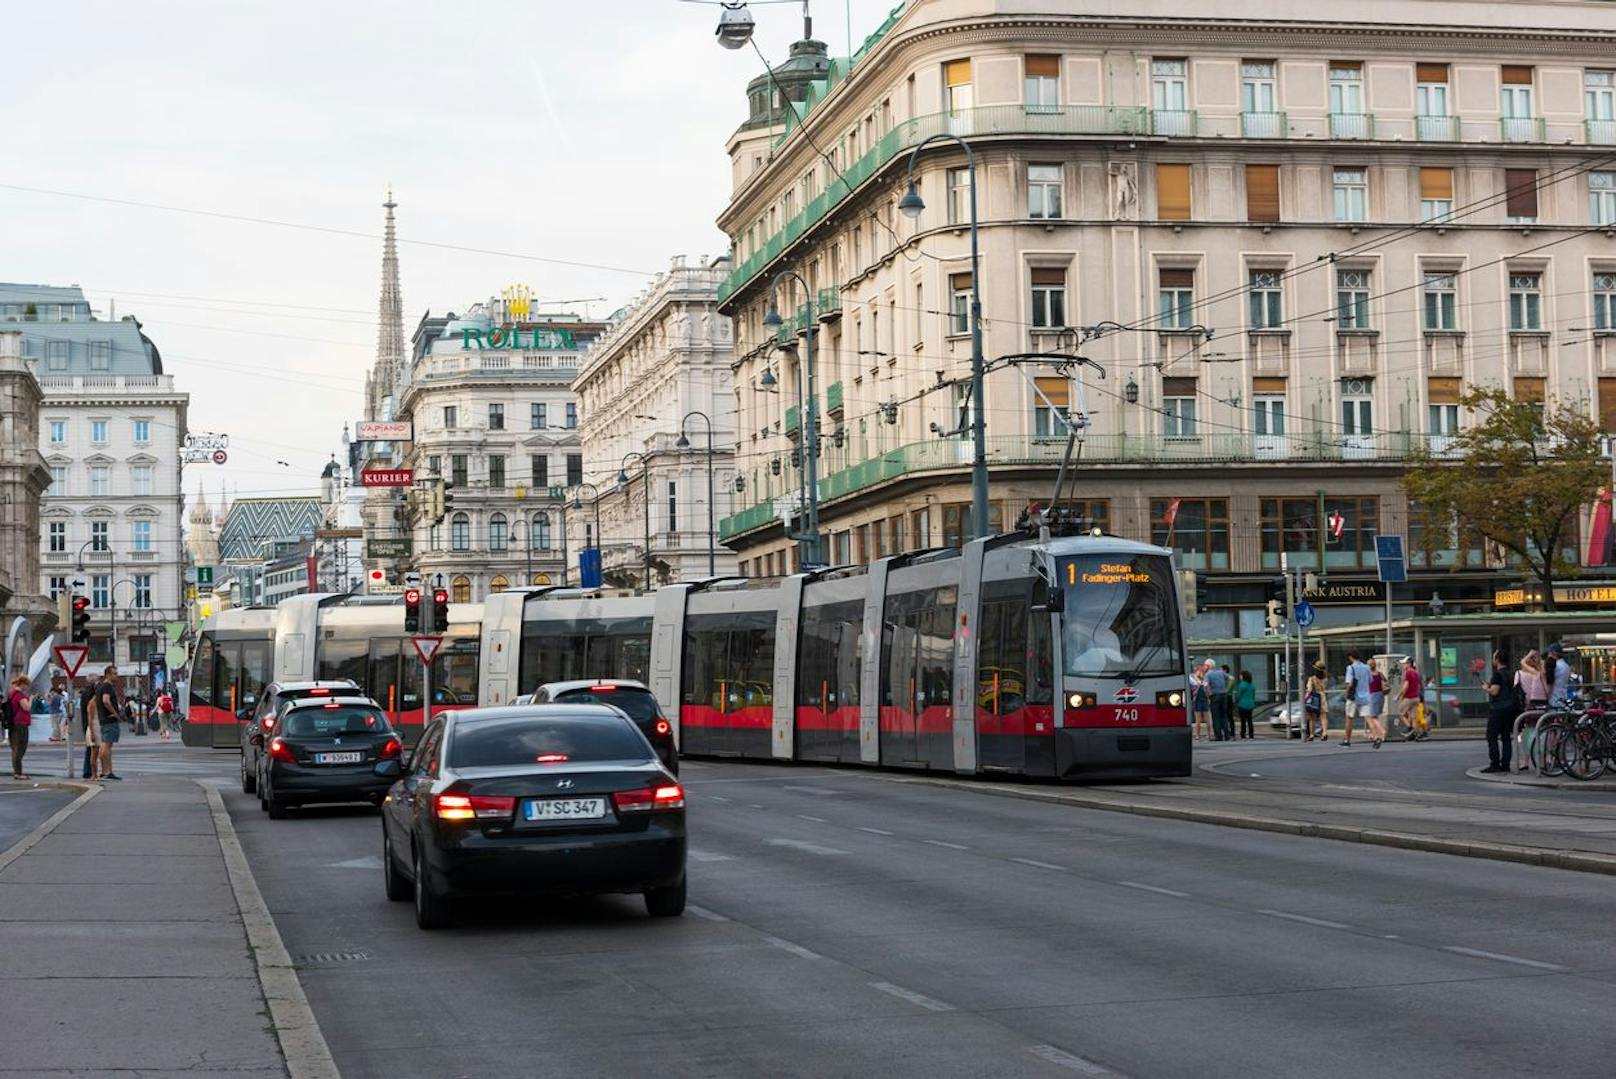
541, 530
497, 532
498, 584
460, 537
460, 587
541, 578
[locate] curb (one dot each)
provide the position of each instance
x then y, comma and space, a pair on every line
1579, 861
1514, 779
304, 1047
48, 825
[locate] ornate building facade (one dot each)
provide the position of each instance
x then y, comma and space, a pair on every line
23, 480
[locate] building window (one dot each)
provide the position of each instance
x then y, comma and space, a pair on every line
541, 531
460, 532
575, 469
101, 591
1347, 118
1262, 192
1520, 196
434, 465
58, 485
142, 589
541, 471
1351, 195
957, 86
451, 417
457, 469
58, 432
100, 355
56, 354
1602, 198
58, 585
57, 532
1268, 416
496, 471
1266, 300
1178, 407
1525, 301
1049, 405
99, 536
673, 506
498, 533
959, 303
141, 477
1443, 419
98, 432
1044, 192
1197, 528
1357, 411
1169, 98
1173, 192
572, 415
1515, 104
1041, 88
1599, 105
1258, 94
100, 481
1436, 194
142, 432
1352, 300
499, 584
1604, 293
959, 195
1291, 525
496, 417
1441, 301
142, 532
460, 590
1176, 299
1431, 90
537, 418
1048, 299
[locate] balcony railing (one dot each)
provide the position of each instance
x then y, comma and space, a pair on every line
1311, 447
793, 420
1436, 128
828, 303
1600, 132
833, 397
1264, 125
1521, 129
1352, 125
1176, 123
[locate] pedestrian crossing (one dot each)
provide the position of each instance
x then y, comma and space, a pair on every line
134, 756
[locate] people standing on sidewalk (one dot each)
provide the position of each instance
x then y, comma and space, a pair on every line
1410, 703
1558, 674
1533, 696
56, 701
1357, 703
1377, 704
1501, 712
19, 719
1217, 691
1245, 702
1315, 710
1200, 703
165, 714
109, 705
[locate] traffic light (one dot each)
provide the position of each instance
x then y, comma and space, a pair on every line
1276, 614
81, 619
440, 610
412, 610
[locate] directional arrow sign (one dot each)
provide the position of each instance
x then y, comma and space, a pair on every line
71, 657
426, 647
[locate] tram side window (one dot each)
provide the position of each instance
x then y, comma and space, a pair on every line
1001, 656
618, 655
828, 662
343, 659
202, 673
454, 674
703, 661
255, 663
936, 652
917, 648
550, 659
224, 676
751, 660
1040, 648
728, 664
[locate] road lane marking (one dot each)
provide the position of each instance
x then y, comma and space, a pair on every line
1305, 920
1039, 865
816, 820
918, 999
874, 831
795, 949
715, 798
950, 846
806, 848
703, 912
708, 856
1153, 888
1067, 1060
809, 790
753, 805
1479, 954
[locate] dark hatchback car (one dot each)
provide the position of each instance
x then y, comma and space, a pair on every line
276, 696
633, 698
553, 799
328, 749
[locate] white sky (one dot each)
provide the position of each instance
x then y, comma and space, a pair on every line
586, 130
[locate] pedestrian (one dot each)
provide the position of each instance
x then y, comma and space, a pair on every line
19, 718
1501, 713
165, 714
1315, 711
1200, 703
110, 707
89, 728
1411, 702
1245, 701
1377, 704
1557, 672
1217, 691
1357, 697
1532, 695
56, 702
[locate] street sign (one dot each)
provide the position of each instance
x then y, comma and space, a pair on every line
1389, 555
412, 580
220, 457
204, 575
386, 477
70, 657
389, 547
426, 647
1304, 614
205, 440
383, 431
339, 533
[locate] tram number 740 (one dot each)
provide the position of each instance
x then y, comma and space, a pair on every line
1125, 715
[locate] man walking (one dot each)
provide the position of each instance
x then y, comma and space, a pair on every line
109, 705
1357, 703
1501, 714
1408, 706
1217, 688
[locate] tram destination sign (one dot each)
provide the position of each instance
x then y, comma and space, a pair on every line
386, 477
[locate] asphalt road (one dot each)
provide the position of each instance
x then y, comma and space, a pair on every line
844, 924
23, 809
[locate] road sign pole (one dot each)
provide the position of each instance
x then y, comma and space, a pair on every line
426, 695
1388, 619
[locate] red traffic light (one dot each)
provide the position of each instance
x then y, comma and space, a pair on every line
440, 596
81, 603
412, 596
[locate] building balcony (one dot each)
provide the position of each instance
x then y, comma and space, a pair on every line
828, 304
833, 398
1436, 128
136, 384
1521, 129
1264, 125
793, 420
495, 364
1174, 123
1352, 125
1599, 132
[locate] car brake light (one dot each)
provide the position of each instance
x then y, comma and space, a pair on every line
603, 689
550, 758
664, 727
280, 751
390, 749
320, 691
331, 704
475, 807
269, 723
648, 799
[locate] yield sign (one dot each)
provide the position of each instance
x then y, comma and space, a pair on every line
426, 647
71, 657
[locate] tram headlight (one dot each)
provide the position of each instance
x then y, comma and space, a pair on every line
1080, 700
1171, 698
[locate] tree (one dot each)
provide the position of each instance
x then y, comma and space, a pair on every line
1518, 477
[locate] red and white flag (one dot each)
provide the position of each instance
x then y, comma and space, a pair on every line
1172, 512
1338, 525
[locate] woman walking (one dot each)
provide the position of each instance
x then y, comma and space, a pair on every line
1315, 712
1245, 702
21, 719
1201, 702
1533, 696
1377, 704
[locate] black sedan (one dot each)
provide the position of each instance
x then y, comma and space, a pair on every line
556, 799
328, 749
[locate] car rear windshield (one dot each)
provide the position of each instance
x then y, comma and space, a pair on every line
640, 705
343, 719
493, 743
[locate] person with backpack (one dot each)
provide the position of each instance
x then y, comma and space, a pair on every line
1501, 713
1357, 703
1315, 711
165, 715
1410, 703
18, 719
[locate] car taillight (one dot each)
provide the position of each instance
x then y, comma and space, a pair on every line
320, 691
649, 799
280, 751
550, 758
269, 723
474, 807
664, 727
390, 749
603, 689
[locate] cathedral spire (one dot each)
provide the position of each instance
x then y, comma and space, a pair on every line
390, 316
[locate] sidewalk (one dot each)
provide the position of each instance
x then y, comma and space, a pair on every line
122, 943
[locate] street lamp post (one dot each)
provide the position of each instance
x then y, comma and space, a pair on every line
622, 483
712, 528
578, 504
911, 204
810, 411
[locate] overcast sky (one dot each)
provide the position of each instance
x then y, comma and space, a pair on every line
590, 131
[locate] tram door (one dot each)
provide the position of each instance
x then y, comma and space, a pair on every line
394, 682
241, 669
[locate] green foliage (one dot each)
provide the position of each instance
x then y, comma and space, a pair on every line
1518, 476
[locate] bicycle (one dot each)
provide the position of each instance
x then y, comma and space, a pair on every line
1588, 750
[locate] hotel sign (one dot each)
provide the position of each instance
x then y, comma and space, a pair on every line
1581, 595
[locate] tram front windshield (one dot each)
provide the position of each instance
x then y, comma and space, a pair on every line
1120, 617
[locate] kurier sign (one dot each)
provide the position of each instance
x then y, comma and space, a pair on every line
386, 477
384, 431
